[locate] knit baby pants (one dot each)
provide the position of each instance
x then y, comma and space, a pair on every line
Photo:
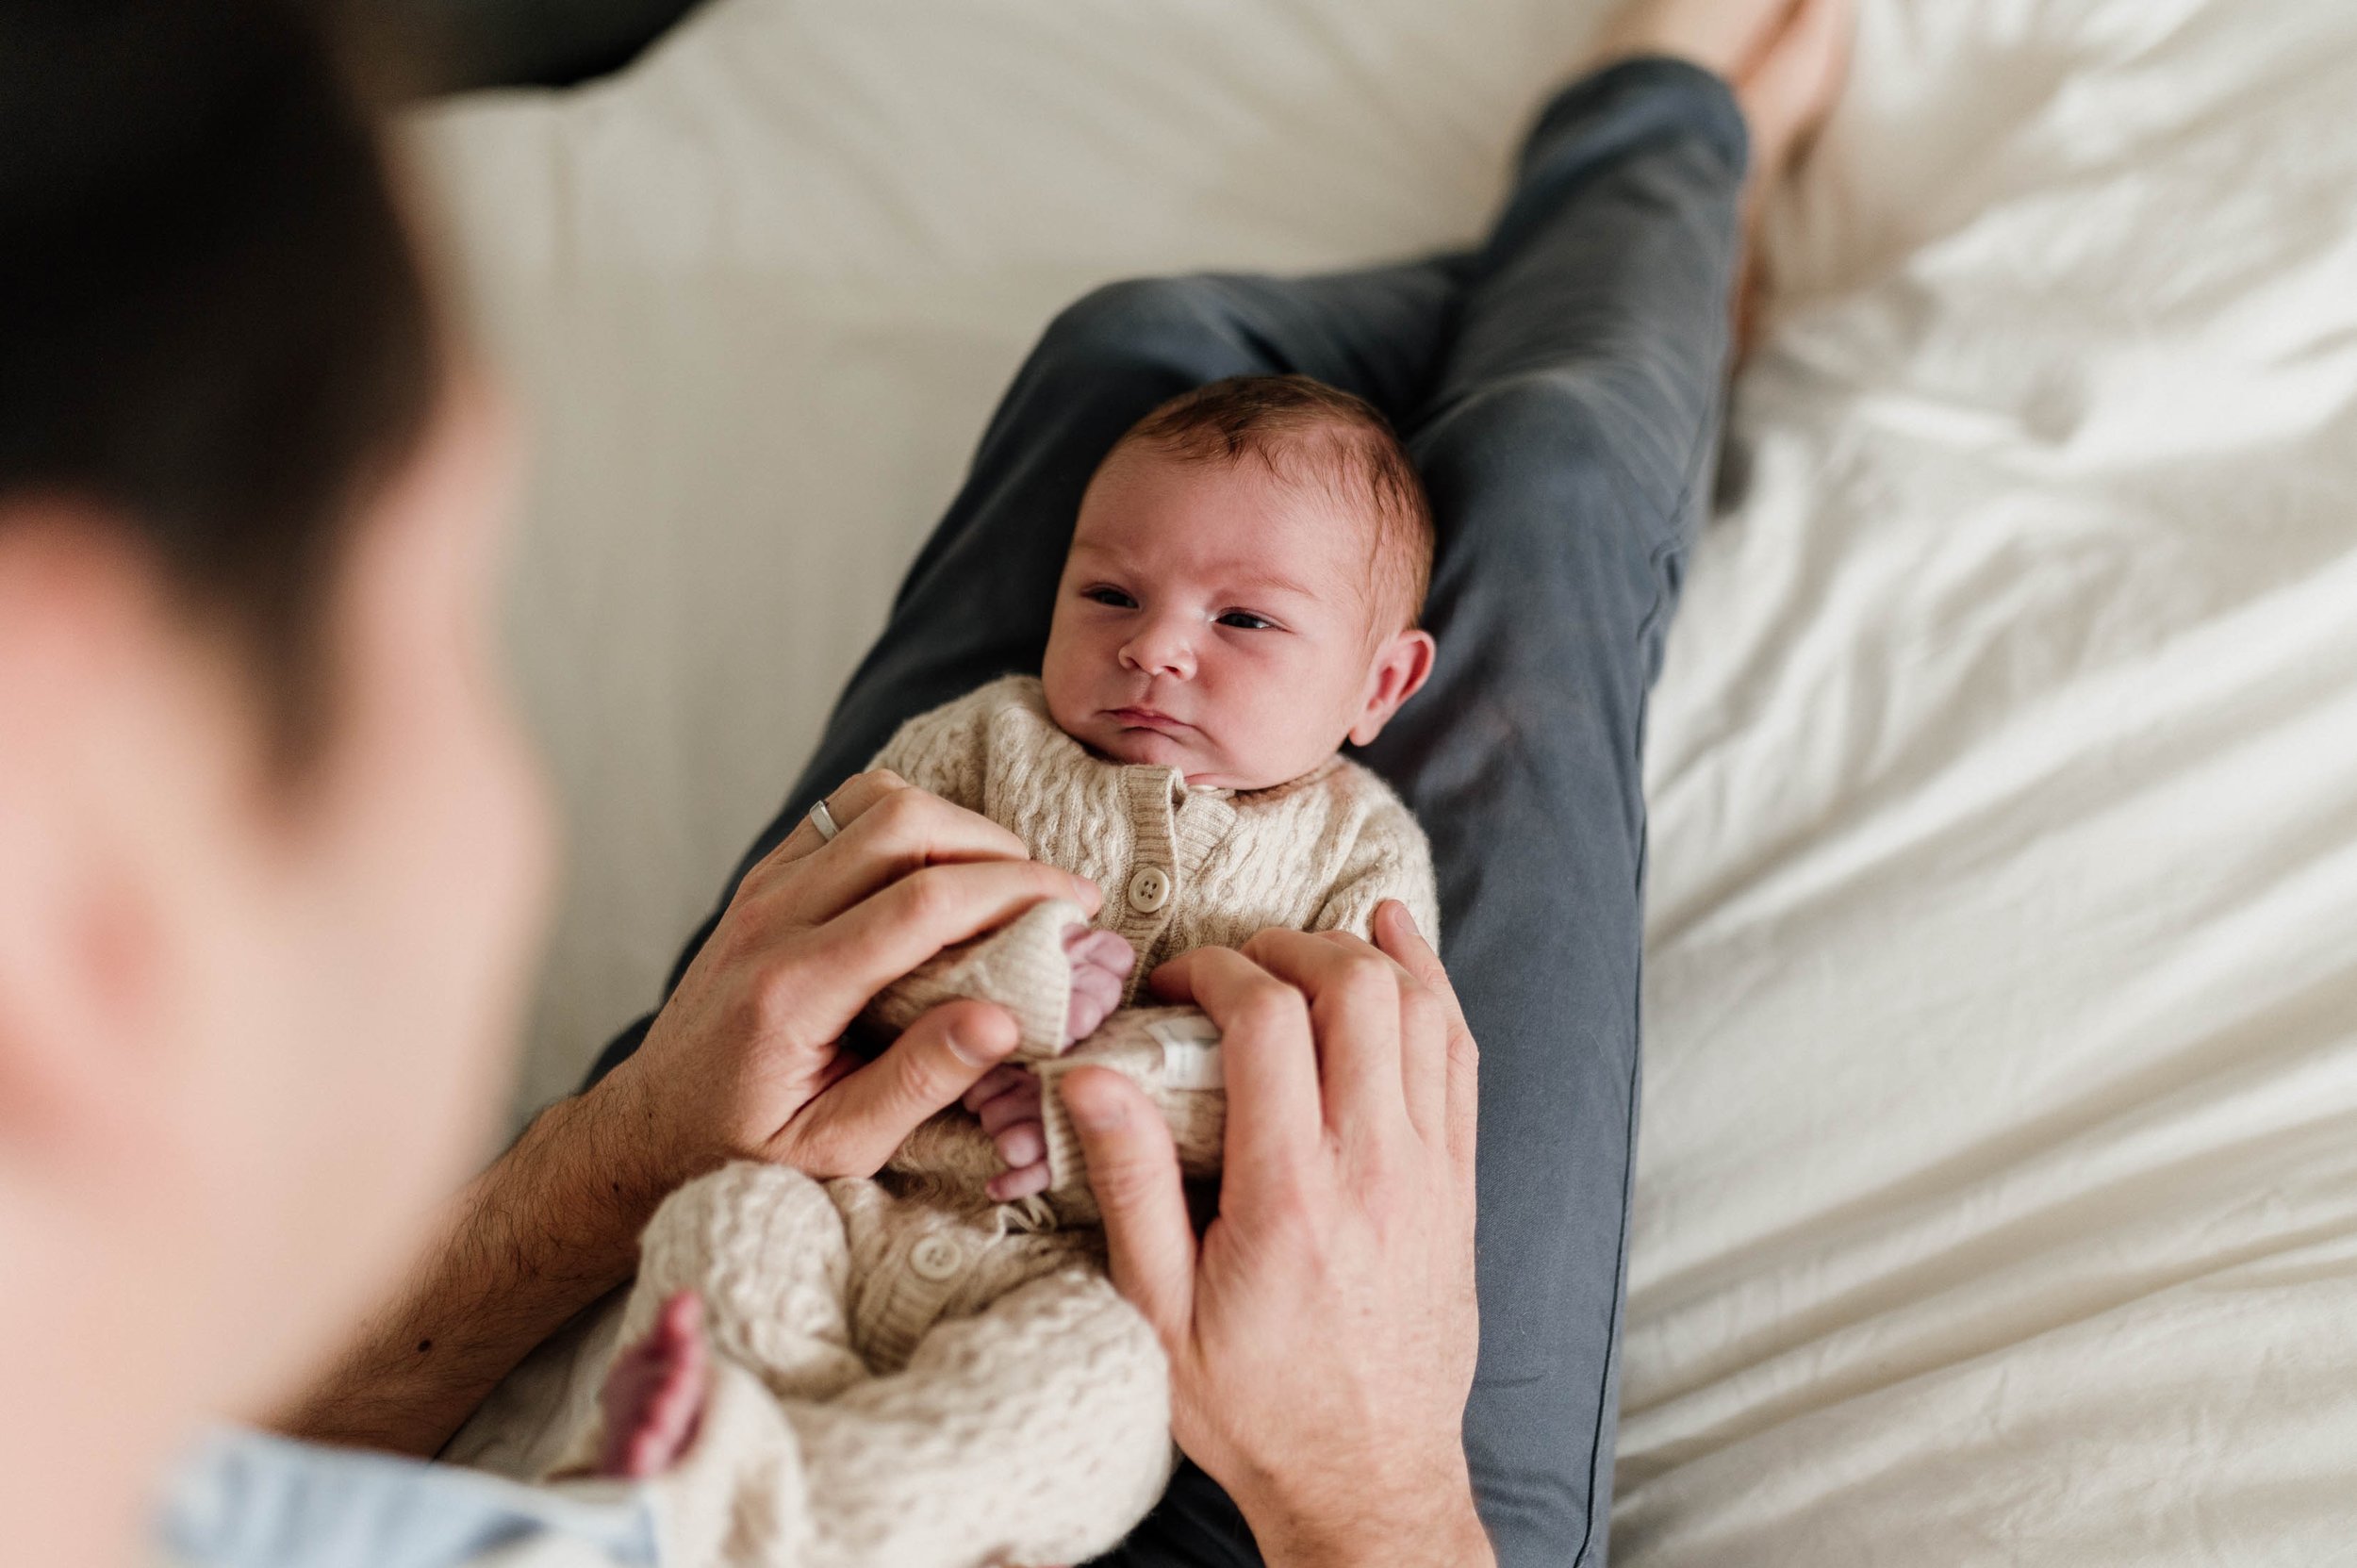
897, 1382
1560, 388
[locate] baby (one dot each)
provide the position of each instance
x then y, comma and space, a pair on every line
934, 1357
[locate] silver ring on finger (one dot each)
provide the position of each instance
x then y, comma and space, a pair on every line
823, 819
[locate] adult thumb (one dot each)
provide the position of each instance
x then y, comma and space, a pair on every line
856, 1122
1133, 1169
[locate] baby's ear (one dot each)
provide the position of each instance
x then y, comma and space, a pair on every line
1402, 666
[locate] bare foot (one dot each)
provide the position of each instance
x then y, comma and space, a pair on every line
1791, 87
1101, 961
1785, 58
1007, 1097
1786, 96
1725, 37
1007, 1100
653, 1397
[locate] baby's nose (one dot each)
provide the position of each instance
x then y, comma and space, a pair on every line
1160, 650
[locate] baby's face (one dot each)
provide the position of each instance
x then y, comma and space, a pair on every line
1216, 618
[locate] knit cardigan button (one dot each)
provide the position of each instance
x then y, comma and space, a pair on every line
1150, 889
937, 1259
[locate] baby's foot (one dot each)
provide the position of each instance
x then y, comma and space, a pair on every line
1101, 961
1007, 1100
1007, 1097
653, 1397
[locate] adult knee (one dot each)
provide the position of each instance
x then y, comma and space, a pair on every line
1181, 326
1530, 449
1551, 516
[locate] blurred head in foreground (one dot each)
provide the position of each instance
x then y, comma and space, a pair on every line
270, 854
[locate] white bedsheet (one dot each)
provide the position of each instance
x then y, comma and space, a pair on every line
1998, 1191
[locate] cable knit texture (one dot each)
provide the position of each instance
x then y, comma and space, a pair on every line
992, 1402
1315, 855
910, 1373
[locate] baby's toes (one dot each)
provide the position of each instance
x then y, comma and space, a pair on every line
1024, 1143
1018, 1104
1105, 950
1015, 1185
999, 1080
1094, 995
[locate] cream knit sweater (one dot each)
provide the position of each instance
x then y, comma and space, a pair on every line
909, 1374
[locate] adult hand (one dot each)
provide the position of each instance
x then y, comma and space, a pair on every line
747, 1059
1322, 1334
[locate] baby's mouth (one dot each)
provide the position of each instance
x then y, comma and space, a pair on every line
1146, 719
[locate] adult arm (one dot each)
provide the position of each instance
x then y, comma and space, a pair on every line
1322, 1333
745, 1060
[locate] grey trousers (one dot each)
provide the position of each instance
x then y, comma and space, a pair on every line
1560, 391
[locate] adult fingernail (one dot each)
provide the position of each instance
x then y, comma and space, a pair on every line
982, 1041
1094, 1113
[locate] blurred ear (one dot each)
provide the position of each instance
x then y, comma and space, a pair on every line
1401, 667
93, 661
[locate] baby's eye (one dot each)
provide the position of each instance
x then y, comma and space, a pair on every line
1246, 620
1114, 596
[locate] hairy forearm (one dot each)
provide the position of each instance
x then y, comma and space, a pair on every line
547, 1229
1432, 1524
1451, 1539
1455, 1540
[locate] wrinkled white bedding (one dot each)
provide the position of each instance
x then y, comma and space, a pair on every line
1998, 1192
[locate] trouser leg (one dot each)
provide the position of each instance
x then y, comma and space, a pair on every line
1568, 452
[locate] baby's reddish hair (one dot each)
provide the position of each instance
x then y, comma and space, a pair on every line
1305, 430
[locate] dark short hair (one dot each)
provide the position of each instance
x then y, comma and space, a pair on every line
1304, 429
213, 321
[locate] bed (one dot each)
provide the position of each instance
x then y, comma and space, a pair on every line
1997, 1196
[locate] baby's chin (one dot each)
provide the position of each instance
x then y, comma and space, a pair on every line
1146, 748
1153, 749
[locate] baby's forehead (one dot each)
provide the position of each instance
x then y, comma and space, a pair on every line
1240, 516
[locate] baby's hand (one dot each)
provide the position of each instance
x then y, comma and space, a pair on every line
1101, 961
